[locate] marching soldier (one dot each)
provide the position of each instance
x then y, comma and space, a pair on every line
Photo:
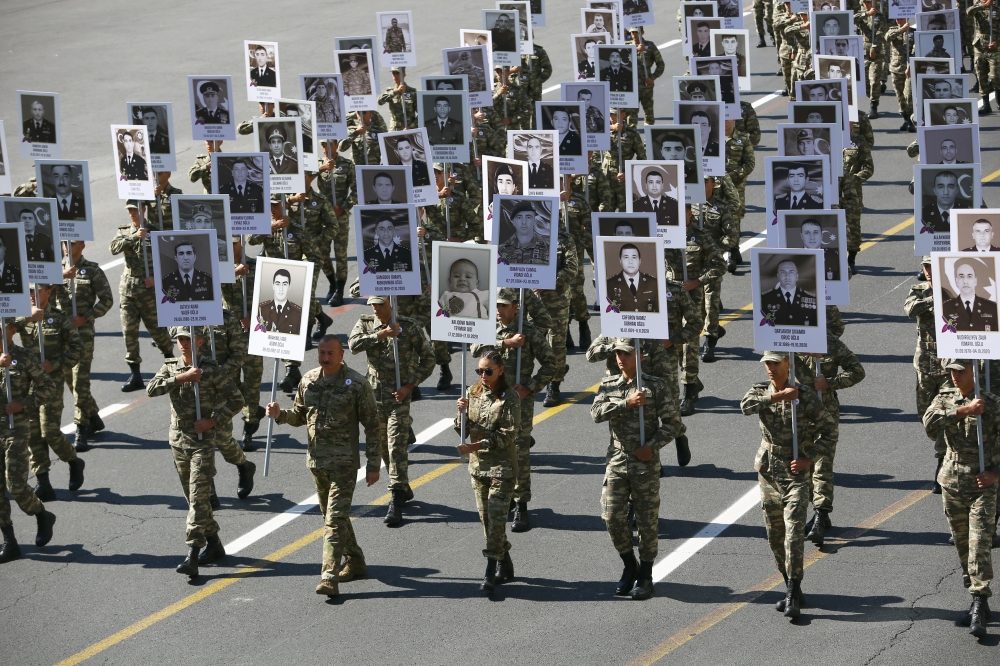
763, 14
193, 439
342, 172
870, 20
632, 148
533, 347
987, 56
252, 366
785, 482
787, 41
652, 69
397, 97
715, 218
311, 241
802, 69
633, 465
858, 168
364, 128
201, 170
749, 123
578, 210
373, 335
740, 163
534, 71
899, 39
557, 302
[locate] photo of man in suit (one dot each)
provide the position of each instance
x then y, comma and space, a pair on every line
949, 153
10, 272
187, 283
787, 303
245, 196
797, 198
405, 155
211, 113
936, 212
37, 129
37, 243
709, 143
655, 200
969, 311
262, 75
701, 47
383, 188
616, 73
504, 38
131, 165
281, 160
631, 289
982, 237
70, 204
541, 175
159, 140
811, 233
442, 129
280, 315
388, 255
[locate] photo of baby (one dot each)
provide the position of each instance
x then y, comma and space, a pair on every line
465, 283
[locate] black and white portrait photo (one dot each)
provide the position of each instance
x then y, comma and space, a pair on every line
443, 115
788, 290
657, 188
830, 24
937, 87
616, 66
244, 178
525, 231
938, 44
539, 149
948, 146
968, 292
618, 33
637, 13
629, 225
585, 55
396, 37
632, 281
594, 21
939, 192
824, 231
504, 35
408, 148
383, 185
697, 88
502, 176
279, 138
463, 282
473, 63
565, 119
134, 172
184, 278
41, 236
193, 212
263, 80
944, 19
975, 230
947, 112
211, 108
68, 182
678, 143
797, 186
158, 119
805, 141
305, 112
12, 264
729, 89
734, 43
595, 97
358, 79
699, 40
708, 119
359, 43
843, 46
520, 10
810, 112
38, 114
325, 91
283, 293
695, 10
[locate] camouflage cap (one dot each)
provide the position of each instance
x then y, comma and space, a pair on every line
774, 356
394, 70
131, 203
957, 364
185, 332
439, 166
623, 345
508, 296
377, 300
926, 259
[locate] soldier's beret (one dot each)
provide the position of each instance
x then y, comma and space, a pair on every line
926, 259
209, 86
377, 300
957, 364
777, 357
623, 345
523, 207
804, 134
276, 131
202, 210
507, 296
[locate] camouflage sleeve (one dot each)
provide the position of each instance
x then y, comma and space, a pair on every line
536, 311
298, 414
502, 437
658, 68
328, 220
421, 347
668, 411
659, 360
600, 349
238, 345
105, 297
714, 263
544, 65
163, 381
941, 412
754, 402
751, 123
386, 97
546, 362
571, 263
640, 147
853, 371
867, 164
916, 303
362, 338
245, 128
729, 230
123, 241
368, 417
43, 387
693, 321
814, 420
72, 345
228, 399
606, 406
749, 161
201, 171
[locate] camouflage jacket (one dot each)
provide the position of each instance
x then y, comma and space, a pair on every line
727, 191
897, 40
864, 23
858, 163
63, 344
535, 311
633, 148
127, 242
982, 18
651, 62
803, 46
459, 212
659, 416
94, 297
219, 396
783, 20
864, 128
684, 318
493, 421
655, 359
567, 262
201, 171
320, 219
334, 409
834, 322
166, 210
704, 258
396, 104
740, 158
776, 424
960, 435
30, 385
838, 357
578, 211
595, 188
416, 357
919, 305
491, 134
536, 348
749, 123
232, 294
718, 222
356, 142
344, 176
231, 344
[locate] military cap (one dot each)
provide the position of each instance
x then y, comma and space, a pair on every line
276, 130
623, 345
377, 300
777, 357
696, 86
523, 207
925, 260
804, 134
394, 70
185, 332
439, 166
209, 86
131, 203
507, 296
201, 210
957, 364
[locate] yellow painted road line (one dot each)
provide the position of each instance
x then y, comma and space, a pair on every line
725, 610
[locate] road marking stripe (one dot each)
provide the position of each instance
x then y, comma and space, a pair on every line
111, 264
104, 413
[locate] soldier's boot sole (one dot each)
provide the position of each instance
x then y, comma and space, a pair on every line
44, 490
189, 567
76, 474
245, 487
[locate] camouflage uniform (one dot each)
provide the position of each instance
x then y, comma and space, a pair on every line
578, 211
987, 62
931, 377
971, 511
784, 28
520, 105
632, 148
763, 14
311, 241
896, 40
651, 66
491, 133
93, 300
416, 363
160, 208
332, 409
538, 69
231, 345
396, 106
802, 68
740, 163
858, 168
874, 67
457, 214
201, 171
344, 176
557, 301
252, 366
356, 142
749, 123
597, 189
718, 224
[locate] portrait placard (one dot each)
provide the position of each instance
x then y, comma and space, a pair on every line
949, 87
324, 91
505, 41
596, 99
279, 138
14, 298
367, 43
618, 33
697, 10
826, 90
196, 212
397, 47
473, 63
680, 143
282, 289
938, 44
658, 187
186, 274
844, 46
68, 182
308, 143
6, 187
540, 150
263, 77
975, 230
698, 43
526, 233
731, 13
949, 146
358, 79
444, 114
734, 43
697, 88
637, 13
903, 9
382, 185
478, 38
211, 99
794, 183
38, 115
245, 177
596, 21
617, 66
386, 240
584, 50
920, 65
965, 305
827, 5
641, 225
937, 191
500, 176
824, 230
810, 139
788, 315
566, 119
538, 13
409, 148
521, 10
630, 273
42, 248
951, 112
132, 167
725, 68
440, 82
833, 68
829, 24
710, 119
942, 19
820, 112
464, 287
158, 117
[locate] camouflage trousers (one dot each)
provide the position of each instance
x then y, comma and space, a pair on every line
785, 501
227, 445
672, 380
928, 386
712, 307
578, 300
196, 469
493, 502
639, 482
987, 69
77, 378
522, 486
253, 374
908, 95
799, 74
875, 70
902, 100
138, 304
340, 240
691, 359
972, 518
557, 304
46, 431
822, 473
786, 73
14, 476
619, 197
646, 102
335, 488
393, 435
763, 11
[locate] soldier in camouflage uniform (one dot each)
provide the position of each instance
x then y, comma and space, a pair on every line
341, 170
193, 439
514, 100
784, 27
970, 498
802, 68
651, 68
332, 401
633, 465
316, 223
740, 162
986, 18
785, 482
899, 40
363, 140
931, 377
252, 367
557, 304
528, 346
763, 14
159, 212
714, 218
749, 123
494, 418
63, 348
402, 101
858, 168
30, 385
874, 20
626, 144
578, 210
534, 71
373, 335
489, 133
136, 296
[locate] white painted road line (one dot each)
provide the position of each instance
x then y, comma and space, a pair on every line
753, 242
111, 264
107, 411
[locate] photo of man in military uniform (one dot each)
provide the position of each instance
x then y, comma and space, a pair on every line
387, 253
967, 310
982, 237
357, 78
262, 75
10, 271
245, 196
504, 38
159, 139
525, 243
811, 234
395, 41
631, 289
616, 73
70, 202
382, 190
655, 200
796, 198
283, 152
211, 112
37, 128
37, 243
442, 129
279, 314
939, 202
131, 163
403, 153
787, 303
187, 283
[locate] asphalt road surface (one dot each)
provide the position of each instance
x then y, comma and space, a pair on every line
886, 589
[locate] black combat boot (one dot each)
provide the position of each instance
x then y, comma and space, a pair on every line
690, 398
9, 550
291, 380
629, 573
761, 44
980, 615
330, 292
80, 443
45, 520
245, 486
851, 255
820, 523
44, 489
683, 450
966, 619
135, 382
189, 567
248, 432
708, 350
937, 486
873, 111
394, 516
585, 338
76, 474
416, 395
906, 122
444, 381
214, 550
780, 605
792, 596
213, 498
505, 570
552, 395
96, 424
490, 578
644, 582
337, 296
987, 109
569, 338
323, 324
520, 523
